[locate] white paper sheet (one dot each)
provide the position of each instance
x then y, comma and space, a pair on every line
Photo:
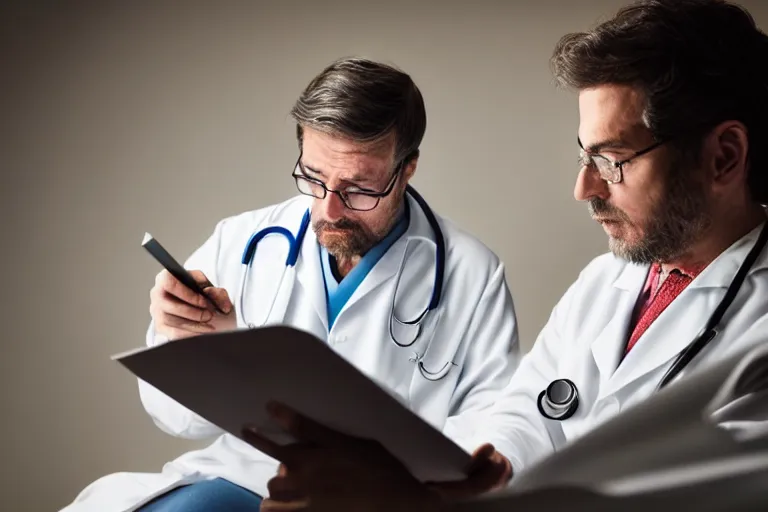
677, 449
227, 378
673, 427
733, 484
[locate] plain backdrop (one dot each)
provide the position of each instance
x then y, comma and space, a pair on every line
118, 118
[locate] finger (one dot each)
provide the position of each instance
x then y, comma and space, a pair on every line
484, 480
168, 304
170, 325
481, 456
270, 505
285, 488
252, 436
308, 430
200, 278
174, 334
489, 469
220, 297
174, 321
166, 282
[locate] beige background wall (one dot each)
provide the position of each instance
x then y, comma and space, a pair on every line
124, 117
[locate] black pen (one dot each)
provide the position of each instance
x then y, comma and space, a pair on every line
171, 265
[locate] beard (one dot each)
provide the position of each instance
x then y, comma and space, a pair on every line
677, 220
346, 238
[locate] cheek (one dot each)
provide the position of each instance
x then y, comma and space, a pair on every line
370, 222
639, 205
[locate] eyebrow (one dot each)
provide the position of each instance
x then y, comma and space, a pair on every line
597, 147
355, 178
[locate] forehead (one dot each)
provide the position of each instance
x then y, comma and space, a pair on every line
611, 113
330, 152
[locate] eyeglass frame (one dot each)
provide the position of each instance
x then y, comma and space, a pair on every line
370, 193
587, 159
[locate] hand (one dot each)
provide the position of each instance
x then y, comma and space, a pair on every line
489, 470
179, 312
326, 470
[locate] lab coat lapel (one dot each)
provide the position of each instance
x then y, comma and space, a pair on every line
684, 318
606, 348
668, 335
389, 264
309, 274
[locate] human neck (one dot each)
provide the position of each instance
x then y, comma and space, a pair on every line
727, 228
345, 264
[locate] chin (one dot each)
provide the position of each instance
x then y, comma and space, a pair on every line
633, 253
334, 244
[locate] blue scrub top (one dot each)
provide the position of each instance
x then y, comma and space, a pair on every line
337, 293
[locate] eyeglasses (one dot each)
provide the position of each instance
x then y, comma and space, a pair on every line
610, 170
354, 198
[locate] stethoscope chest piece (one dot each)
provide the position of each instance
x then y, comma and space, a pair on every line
559, 401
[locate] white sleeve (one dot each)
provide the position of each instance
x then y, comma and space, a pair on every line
168, 414
519, 431
492, 355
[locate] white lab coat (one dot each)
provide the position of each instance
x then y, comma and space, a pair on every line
476, 331
588, 330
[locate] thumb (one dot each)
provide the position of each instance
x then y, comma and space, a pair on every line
220, 297
481, 457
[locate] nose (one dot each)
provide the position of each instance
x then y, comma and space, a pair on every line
332, 207
589, 184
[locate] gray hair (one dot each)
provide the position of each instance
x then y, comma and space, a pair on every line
365, 101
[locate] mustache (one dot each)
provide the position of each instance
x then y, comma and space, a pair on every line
342, 224
601, 208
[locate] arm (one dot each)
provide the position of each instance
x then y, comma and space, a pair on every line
517, 429
169, 415
492, 356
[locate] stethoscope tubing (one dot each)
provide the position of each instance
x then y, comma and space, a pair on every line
560, 412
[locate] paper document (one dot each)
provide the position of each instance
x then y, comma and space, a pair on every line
702, 440
228, 378
733, 484
673, 427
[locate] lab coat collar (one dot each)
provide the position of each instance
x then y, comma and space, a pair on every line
309, 270
607, 346
677, 325
389, 264
717, 274
720, 272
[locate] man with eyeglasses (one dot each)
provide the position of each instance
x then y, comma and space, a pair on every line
374, 258
673, 103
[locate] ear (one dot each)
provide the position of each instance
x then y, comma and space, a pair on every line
410, 168
726, 152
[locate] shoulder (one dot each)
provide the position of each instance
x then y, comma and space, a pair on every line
603, 267
603, 270
462, 245
468, 259
245, 223
231, 234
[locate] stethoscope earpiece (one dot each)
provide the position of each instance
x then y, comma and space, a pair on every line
559, 401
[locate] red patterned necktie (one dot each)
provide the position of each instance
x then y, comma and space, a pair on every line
670, 288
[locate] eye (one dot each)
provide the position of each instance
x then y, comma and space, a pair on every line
312, 180
355, 189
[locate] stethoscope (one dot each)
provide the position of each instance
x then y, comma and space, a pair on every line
560, 400
414, 326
